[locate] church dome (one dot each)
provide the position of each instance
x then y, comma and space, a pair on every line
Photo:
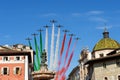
106, 43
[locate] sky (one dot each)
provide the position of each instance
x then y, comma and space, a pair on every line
84, 18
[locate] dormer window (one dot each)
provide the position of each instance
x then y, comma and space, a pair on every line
101, 55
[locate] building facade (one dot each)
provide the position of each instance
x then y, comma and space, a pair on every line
85, 55
74, 75
16, 62
105, 61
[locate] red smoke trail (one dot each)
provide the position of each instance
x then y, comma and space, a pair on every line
68, 49
63, 68
61, 52
69, 61
63, 43
63, 77
66, 67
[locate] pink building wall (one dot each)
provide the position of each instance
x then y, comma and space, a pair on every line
11, 66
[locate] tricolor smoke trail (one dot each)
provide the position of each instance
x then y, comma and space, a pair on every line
57, 49
61, 52
37, 55
28, 39
34, 63
69, 43
52, 48
30, 44
46, 42
63, 43
69, 61
40, 43
66, 55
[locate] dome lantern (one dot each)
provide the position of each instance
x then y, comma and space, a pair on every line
106, 43
105, 33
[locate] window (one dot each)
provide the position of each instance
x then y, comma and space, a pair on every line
101, 55
5, 58
106, 78
119, 77
118, 62
104, 65
17, 70
5, 71
17, 58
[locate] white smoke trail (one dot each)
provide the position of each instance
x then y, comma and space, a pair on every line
46, 43
52, 49
57, 50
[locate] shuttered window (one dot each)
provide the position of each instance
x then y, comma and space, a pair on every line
17, 70
5, 71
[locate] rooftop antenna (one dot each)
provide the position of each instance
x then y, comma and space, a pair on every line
105, 33
105, 29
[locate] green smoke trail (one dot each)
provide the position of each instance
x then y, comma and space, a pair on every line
37, 56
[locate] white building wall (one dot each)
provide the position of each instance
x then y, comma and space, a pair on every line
111, 71
104, 52
26, 67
